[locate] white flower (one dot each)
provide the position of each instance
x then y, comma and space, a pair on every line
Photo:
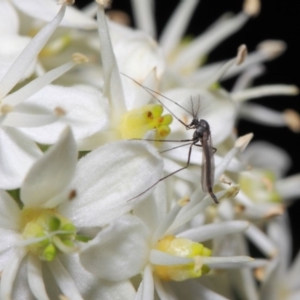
38, 104
56, 203
139, 243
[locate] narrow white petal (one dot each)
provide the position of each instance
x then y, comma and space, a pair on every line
18, 153
146, 287
37, 84
118, 252
163, 290
231, 262
9, 274
265, 90
211, 231
261, 240
9, 18
9, 212
166, 223
28, 55
46, 9
246, 79
35, 277
108, 178
293, 273
113, 86
51, 174
91, 287
163, 259
176, 26
64, 280
210, 39
193, 290
143, 14
84, 111
289, 187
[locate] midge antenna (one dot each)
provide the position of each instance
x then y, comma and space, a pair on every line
201, 135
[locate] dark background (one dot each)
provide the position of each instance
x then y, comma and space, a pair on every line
277, 20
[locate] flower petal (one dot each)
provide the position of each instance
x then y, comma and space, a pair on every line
108, 178
9, 212
46, 9
146, 287
64, 280
51, 174
35, 278
18, 153
85, 112
9, 18
118, 252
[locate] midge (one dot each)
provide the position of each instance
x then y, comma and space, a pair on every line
201, 138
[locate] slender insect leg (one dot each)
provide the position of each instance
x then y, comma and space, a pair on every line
174, 148
165, 177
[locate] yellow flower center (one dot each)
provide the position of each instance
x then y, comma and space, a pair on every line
50, 232
183, 248
259, 186
137, 122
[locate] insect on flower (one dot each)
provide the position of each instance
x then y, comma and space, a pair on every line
201, 138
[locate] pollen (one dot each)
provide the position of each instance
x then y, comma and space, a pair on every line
137, 122
182, 247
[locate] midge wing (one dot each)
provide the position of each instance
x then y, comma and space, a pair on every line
208, 163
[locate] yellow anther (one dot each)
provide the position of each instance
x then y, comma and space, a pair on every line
183, 248
137, 122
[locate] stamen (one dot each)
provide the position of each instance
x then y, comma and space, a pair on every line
292, 119
252, 7
59, 111
104, 3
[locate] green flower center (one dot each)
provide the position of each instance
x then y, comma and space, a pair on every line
183, 248
50, 233
137, 122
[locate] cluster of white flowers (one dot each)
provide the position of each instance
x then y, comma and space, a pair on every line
84, 213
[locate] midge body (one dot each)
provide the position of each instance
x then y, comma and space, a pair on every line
201, 138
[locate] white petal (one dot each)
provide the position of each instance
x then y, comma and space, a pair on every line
113, 87
146, 287
153, 210
261, 240
177, 25
9, 274
51, 174
143, 15
64, 280
164, 290
91, 287
9, 238
9, 18
85, 113
28, 55
9, 212
107, 178
193, 290
289, 187
11, 48
35, 278
18, 153
211, 231
46, 9
118, 252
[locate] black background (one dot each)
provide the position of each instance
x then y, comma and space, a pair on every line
277, 20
